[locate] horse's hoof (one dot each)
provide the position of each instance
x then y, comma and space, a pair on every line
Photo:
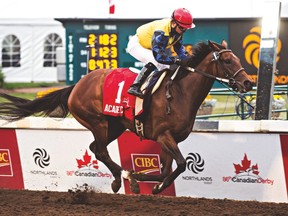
158, 189
116, 184
134, 186
155, 190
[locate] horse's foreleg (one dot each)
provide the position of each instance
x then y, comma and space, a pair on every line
169, 146
103, 155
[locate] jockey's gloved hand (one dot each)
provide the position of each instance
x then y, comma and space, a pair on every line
179, 62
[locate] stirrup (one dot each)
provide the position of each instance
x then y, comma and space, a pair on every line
135, 93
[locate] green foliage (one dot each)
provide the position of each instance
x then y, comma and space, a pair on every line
2, 78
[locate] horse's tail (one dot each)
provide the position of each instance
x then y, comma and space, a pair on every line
17, 108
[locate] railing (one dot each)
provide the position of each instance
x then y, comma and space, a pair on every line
243, 110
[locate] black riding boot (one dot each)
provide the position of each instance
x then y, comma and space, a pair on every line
144, 73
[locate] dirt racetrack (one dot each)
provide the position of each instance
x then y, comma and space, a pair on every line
24, 203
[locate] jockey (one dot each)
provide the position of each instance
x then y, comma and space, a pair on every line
151, 41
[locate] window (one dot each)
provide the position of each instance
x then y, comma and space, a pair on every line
11, 50
52, 41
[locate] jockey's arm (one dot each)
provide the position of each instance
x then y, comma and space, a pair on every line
159, 44
180, 49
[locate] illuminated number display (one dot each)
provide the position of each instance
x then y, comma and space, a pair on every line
103, 51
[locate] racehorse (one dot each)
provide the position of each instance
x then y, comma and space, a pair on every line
168, 119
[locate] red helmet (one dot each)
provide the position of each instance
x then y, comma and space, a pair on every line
183, 17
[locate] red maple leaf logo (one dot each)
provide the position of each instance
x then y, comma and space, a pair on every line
86, 162
245, 166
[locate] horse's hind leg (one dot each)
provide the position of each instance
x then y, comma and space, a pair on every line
109, 131
101, 153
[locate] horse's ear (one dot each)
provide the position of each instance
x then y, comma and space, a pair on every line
224, 43
213, 45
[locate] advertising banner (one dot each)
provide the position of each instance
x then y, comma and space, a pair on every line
142, 156
10, 164
284, 148
238, 166
61, 160
245, 38
233, 166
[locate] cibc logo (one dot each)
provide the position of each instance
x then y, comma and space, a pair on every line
146, 163
5, 163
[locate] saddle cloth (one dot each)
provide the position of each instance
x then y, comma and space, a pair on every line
117, 101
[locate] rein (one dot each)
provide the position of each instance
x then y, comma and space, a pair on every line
223, 80
216, 57
228, 82
231, 81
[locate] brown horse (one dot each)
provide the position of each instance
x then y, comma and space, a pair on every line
181, 98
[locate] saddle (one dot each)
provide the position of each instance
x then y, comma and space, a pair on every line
151, 84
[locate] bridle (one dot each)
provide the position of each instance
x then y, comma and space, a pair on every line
230, 79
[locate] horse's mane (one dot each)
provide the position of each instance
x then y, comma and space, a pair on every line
199, 52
